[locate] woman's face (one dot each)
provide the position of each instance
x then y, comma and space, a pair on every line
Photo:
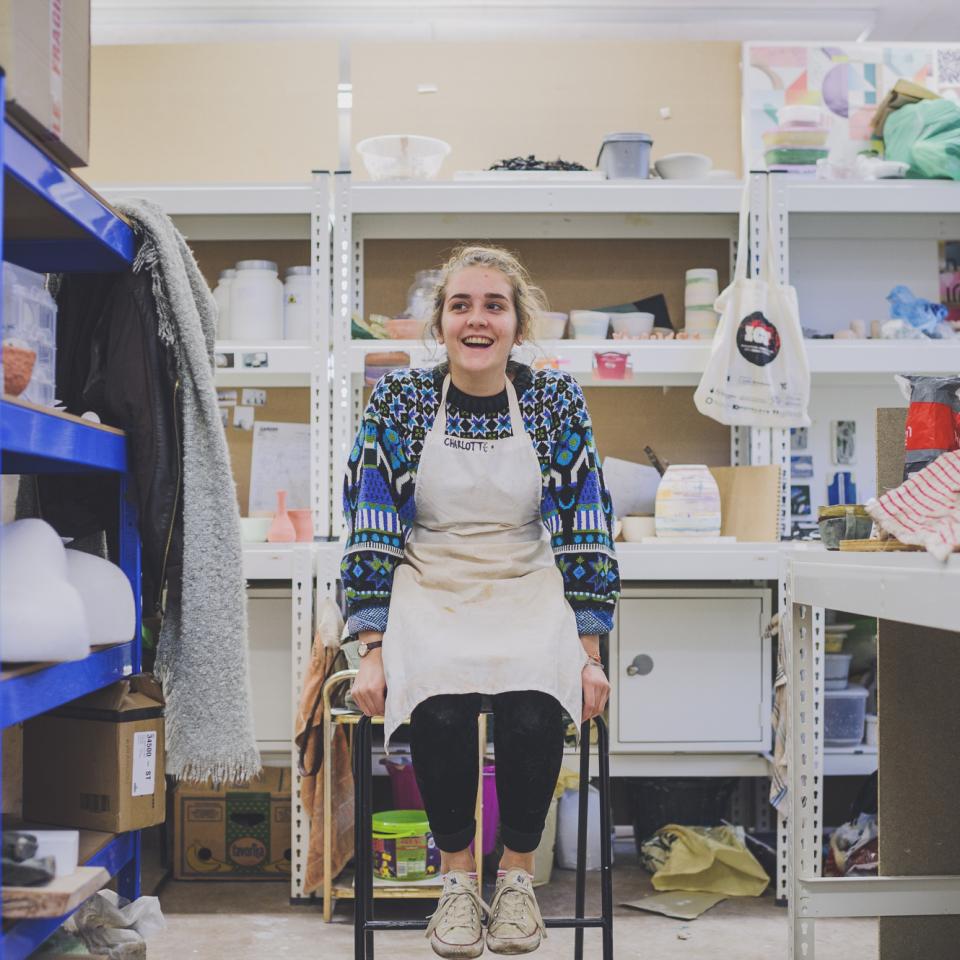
479, 322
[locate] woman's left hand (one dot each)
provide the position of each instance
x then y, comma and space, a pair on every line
596, 690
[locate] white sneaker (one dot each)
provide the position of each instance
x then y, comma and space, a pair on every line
515, 924
456, 926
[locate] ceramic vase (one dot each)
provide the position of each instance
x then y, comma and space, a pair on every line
688, 503
281, 529
302, 524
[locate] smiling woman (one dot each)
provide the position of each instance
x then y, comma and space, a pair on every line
479, 562
483, 306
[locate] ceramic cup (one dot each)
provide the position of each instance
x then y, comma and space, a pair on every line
302, 521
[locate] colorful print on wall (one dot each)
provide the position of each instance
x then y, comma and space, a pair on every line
801, 503
841, 489
832, 91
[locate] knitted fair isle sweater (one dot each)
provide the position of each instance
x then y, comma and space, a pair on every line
378, 501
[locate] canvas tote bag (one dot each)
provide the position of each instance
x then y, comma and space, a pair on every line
757, 374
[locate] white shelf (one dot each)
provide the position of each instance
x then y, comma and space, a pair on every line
940, 197
698, 561
849, 761
281, 363
683, 361
209, 199
906, 587
882, 358
651, 196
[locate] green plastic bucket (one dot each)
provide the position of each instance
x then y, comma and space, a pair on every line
403, 847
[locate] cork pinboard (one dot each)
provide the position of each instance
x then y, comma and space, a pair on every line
283, 405
574, 274
919, 727
216, 255
891, 429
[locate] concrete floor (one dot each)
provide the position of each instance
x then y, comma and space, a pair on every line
250, 921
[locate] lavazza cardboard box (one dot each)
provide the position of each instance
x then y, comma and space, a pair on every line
98, 762
233, 833
45, 53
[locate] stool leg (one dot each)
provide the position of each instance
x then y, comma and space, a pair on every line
368, 833
582, 811
360, 843
606, 860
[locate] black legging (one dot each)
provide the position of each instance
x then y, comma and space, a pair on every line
528, 740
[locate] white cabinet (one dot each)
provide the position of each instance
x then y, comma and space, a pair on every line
271, 661
691, 671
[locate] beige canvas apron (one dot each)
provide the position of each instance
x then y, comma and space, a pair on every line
477, 604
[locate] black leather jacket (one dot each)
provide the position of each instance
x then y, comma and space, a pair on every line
110, 360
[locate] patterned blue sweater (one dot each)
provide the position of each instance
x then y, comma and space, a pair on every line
378, 501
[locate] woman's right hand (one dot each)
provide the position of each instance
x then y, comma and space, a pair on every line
369, 688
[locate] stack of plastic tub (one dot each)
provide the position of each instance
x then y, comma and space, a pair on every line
30, 328
798, 142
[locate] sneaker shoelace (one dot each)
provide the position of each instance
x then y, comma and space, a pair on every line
515, 902
458, 907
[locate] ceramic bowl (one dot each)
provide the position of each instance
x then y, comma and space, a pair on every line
254, 529
636, 528
589, 324
683, 166
550, 326
405, 328
632, 324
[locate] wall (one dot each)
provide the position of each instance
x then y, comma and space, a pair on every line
266, 112
213, 113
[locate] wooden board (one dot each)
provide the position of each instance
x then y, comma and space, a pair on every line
216, 255
574, 274
61, 415
58, 897
876, 546
749, 502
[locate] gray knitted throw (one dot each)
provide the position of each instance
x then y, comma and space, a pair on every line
202, 653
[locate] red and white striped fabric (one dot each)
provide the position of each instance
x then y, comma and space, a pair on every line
925, 509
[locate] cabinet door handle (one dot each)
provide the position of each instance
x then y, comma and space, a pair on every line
641, 665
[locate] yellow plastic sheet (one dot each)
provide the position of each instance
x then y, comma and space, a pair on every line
705, 859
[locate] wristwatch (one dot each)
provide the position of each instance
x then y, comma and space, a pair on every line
364, 648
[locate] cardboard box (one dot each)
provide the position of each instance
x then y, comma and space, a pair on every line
98, 762
45, 51
233, 833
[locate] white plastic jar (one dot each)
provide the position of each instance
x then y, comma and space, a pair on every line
297, 312
221, 294
256, 302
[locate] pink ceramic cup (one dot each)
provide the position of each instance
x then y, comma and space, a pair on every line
303, 524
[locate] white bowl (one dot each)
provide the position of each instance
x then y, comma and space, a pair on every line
636, 528
632, 324
403, 156
550, 326
683, 166
255, 529
589, 324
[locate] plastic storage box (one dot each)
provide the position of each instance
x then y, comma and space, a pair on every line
837, 671
30, 326
625, 156
843, 716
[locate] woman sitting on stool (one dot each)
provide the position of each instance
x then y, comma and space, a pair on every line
480, 561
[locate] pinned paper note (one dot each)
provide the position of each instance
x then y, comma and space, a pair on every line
280, 461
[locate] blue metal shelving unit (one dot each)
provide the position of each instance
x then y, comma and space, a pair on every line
52, 223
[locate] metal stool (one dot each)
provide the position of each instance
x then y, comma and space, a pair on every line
364, 923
